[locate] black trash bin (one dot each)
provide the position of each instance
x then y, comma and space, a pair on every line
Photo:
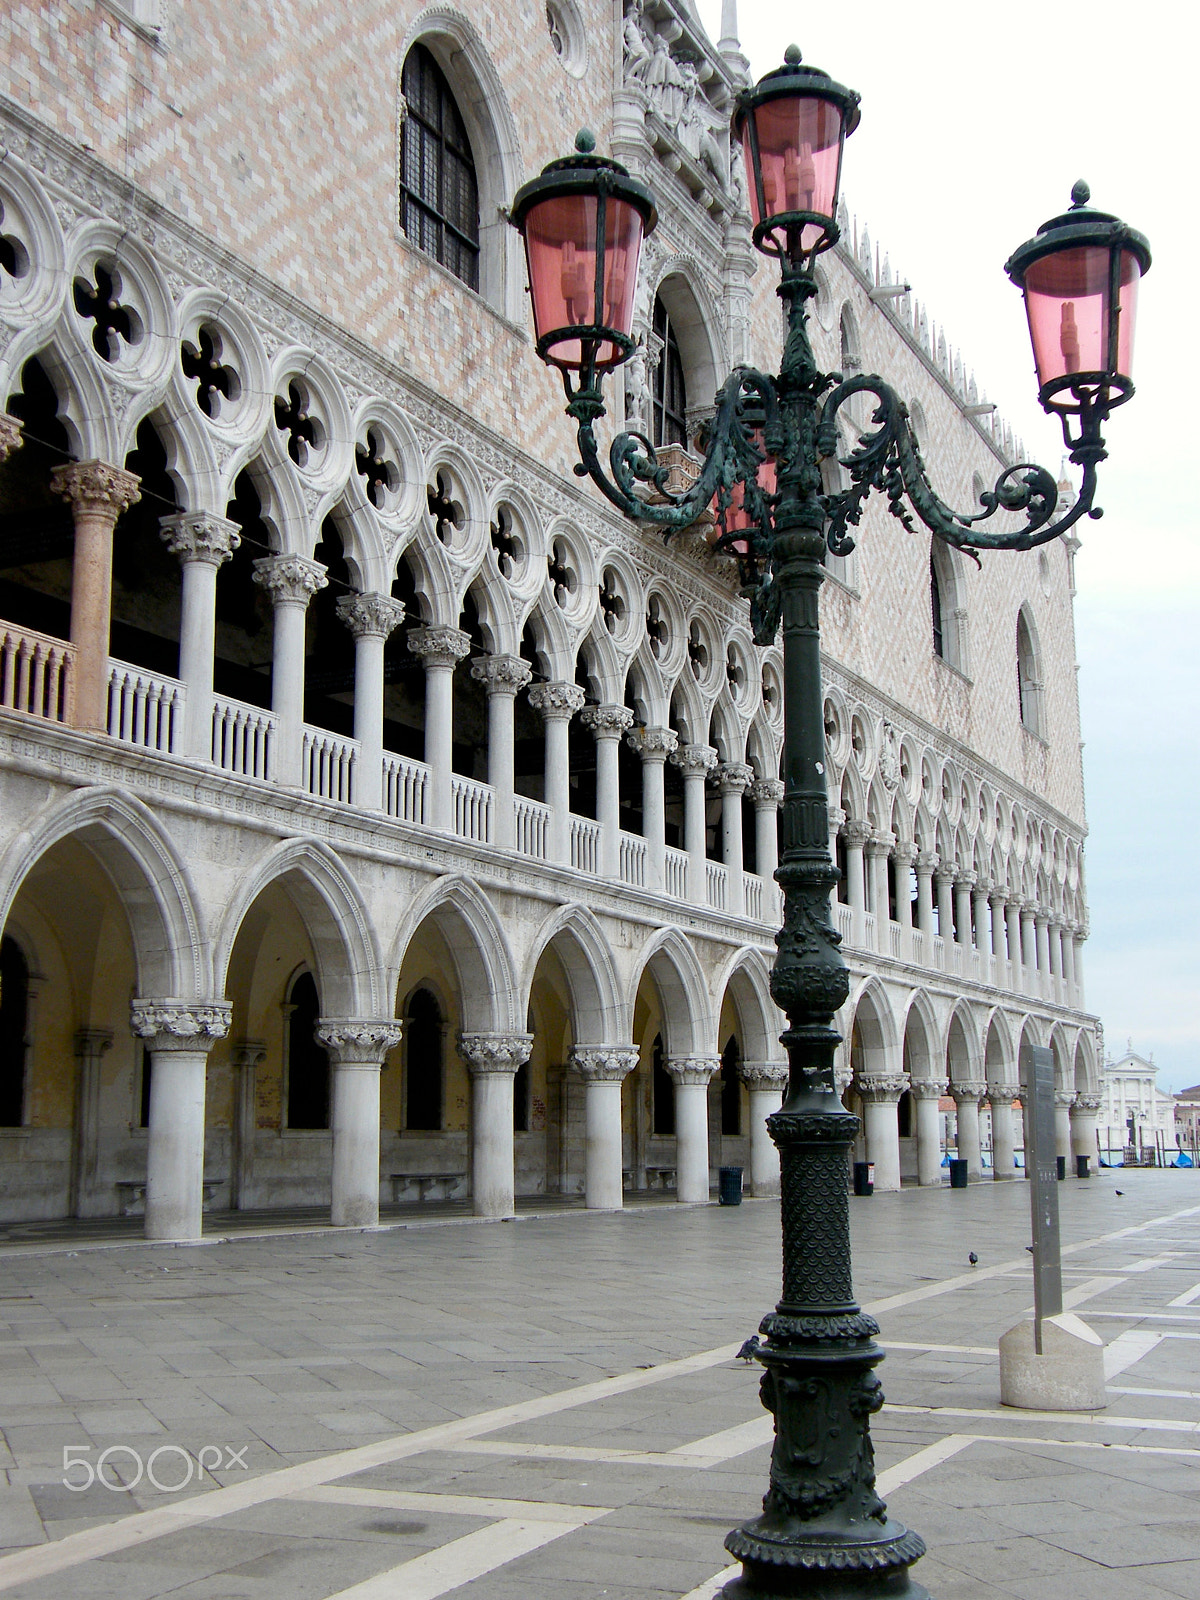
1062, 1167
958, 1174
864, 1177
729, 1186
1081, 1167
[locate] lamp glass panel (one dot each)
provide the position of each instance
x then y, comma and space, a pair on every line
560, 246
799, 148
1067, 301
737, 518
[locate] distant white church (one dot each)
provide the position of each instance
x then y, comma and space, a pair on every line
1136, 1116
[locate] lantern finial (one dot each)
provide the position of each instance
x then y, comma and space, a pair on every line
1080, 194
792, 55
585, 141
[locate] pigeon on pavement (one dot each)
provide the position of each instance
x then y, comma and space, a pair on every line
973, 1258
749, 1349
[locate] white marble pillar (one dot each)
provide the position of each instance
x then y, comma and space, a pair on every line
603, 1069
1028, 948
98, 493
357, 1047
999, 936
1016, 953
1084, 1115
766, 1081
963, 884
691, 1075
493, 1060
203, 542
878, 847
904, 855
926, 866
557, 703
90, 1047
1078, 937
944, 881
607, 724
855, 836
733, 779
1064, 1099
880, 1098
1003, 1130
370, 618
926, 1093
695, 762
653, 745
1041, 923
966, 1102
504, 677
247, 1056
837, 821
291, 581
1068, 962
179, 1037
441, 649
767, 797
983, 927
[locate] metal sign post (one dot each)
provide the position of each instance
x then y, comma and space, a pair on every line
1043, 1194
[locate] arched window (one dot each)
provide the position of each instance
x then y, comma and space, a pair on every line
1029, 686
664, 1090
424, 1033
947, 606
14, 1021
848, 352
731, 1090
439, 194
307, 1060
670, 392
935, 603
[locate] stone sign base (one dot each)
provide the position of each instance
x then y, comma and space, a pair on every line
1067, 1376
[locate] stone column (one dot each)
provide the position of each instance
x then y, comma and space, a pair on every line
904, 855
1068, 958
966, 1100
179, 1036
90, 1046
766, 1081
1003, 1129
926, 865
1016, 955
653, 745
927, 1093
1079, 935
767, 796
733, 779
944, 880
98, 493
248, 1056
1084, 1115
504, 677
855, 836
983, 927
1064, 1099
963, 884
607, 724
493, 1060
291, 581
837, 821
878, 848
203, 542
370, 618
880, 1097
1028, 948
1041, 923
695, 762
441, 649
692, 1075
356, 1047
999, 936
603, 1069
558, 703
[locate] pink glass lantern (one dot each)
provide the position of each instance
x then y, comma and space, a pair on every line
583, 221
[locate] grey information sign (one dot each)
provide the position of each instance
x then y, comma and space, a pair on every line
1042, 1165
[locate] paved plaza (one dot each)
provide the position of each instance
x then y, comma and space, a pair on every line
550, 1407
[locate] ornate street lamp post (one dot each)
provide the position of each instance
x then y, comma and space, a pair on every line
824, 1531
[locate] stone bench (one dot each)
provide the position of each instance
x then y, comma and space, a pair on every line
131, 1192
656, 1178
420, 1185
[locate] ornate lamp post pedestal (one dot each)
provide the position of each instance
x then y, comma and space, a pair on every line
824, 1532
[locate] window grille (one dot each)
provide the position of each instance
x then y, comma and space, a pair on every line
439, 195
670, 392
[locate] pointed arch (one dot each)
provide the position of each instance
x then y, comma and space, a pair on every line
999, 1052
479, 948
746, 978
923, 1053
689, 1023
964, 1062
874, 1021
600, 1012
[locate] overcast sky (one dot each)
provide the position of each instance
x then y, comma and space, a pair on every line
976, 121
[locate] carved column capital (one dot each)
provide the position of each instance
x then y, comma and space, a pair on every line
200, 536
604, 1063
439, 646
1064, 1097
607, 722
693, 1069
10, 435
557, 702
905, 853
1003, 1094
290, 580
504, 675
96, 486
180, 1024
880, 844
884, 1089
247, 1054
694, 760
358, 1041
763, 1074
928, 1088
856, 833
734, 777
767, 792
1087, 1103
92, 1042
370, 616
964, 1093
652, 744
495, 1054
964, 879
926, 863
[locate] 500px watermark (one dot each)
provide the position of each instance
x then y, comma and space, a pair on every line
169, 1468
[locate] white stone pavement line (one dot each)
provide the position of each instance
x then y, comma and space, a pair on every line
1082, 1292
454, 1505
946, 1349
1188, 1298
1080, 1419
1149, 1263
1159, 1394
462, 1560
23, 1566
1149, 1316
1127, 1349
887, 1482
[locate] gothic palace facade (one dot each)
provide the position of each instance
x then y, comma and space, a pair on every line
383, 816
